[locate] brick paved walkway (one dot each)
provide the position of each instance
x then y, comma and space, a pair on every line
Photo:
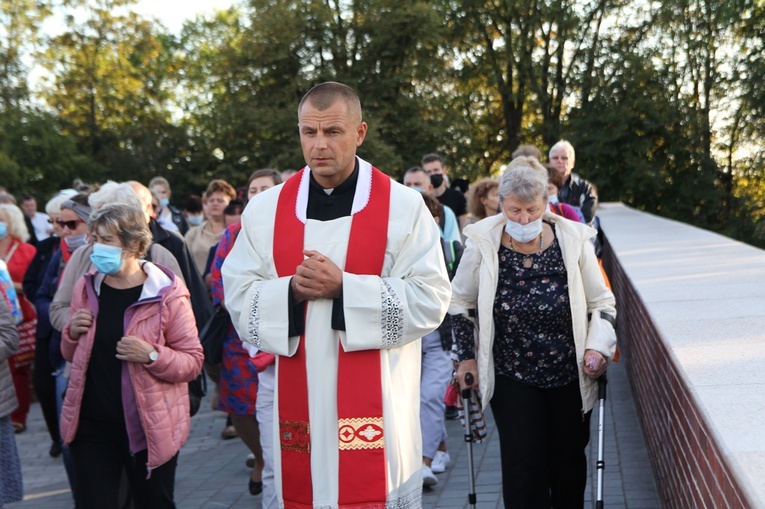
212, 474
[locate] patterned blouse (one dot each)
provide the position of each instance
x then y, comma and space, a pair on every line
534, 339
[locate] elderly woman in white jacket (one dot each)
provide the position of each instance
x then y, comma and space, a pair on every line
532, 316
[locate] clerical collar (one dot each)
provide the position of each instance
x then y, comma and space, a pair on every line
324, 206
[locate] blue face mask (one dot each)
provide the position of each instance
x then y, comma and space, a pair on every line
164, 202
107, 259
3, 230
418, 189
195, 220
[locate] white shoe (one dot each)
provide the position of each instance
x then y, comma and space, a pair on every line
440, 462
428, 477
250, 461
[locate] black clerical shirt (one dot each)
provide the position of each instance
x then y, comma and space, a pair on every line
325, 205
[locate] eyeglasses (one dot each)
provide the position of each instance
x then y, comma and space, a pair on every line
69, 224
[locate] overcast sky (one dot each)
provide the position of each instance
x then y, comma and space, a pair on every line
173, 13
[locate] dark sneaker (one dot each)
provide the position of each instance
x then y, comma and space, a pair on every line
55, 450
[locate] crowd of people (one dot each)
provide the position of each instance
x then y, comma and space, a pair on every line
354, 303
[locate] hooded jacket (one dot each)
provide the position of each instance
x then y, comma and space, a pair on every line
79, 264
155, 395
592, 303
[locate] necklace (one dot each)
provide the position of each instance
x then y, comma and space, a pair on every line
527, 261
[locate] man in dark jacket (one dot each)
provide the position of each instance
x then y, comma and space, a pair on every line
169, 217
575, 191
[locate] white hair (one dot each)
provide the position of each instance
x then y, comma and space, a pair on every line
54, 204
565, 145
114, 193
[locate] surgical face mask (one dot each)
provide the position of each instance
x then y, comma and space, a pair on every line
195, 220
418, 189
107, 259
3, 229
164, 202
553, 198
524, 232
75, 241
436, 180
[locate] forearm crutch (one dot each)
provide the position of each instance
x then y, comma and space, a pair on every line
601, 464
469, 438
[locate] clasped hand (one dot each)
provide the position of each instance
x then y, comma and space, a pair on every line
594, 363
317, 278
81, 321
134, 349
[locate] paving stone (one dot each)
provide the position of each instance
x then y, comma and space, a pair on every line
212, 475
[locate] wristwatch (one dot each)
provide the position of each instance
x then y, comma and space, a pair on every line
153, 356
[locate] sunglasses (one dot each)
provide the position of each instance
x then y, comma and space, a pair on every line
69, 224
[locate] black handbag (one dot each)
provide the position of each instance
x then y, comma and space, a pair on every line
197, 391
213, 333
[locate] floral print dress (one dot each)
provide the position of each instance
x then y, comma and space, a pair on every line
238, 387
533, 331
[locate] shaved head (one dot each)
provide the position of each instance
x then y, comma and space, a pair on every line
143, 192
324, 95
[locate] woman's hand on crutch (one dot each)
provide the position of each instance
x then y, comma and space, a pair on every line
465, 367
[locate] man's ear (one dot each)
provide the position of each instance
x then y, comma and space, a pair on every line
361, 133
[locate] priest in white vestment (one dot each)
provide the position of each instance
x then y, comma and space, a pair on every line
339, 272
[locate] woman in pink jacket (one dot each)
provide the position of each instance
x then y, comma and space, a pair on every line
133, 345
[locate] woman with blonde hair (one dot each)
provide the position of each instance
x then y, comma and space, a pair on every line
18, 255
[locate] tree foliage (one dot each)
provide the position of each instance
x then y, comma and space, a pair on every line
662, 100
109, 88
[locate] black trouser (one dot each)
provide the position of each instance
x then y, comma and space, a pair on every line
542, 437
45, 387
100, 454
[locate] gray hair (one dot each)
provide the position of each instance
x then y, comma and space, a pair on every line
567, 146
112, 192
524, 181
162, 181
125, 221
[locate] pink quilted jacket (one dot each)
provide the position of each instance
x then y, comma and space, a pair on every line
162, 316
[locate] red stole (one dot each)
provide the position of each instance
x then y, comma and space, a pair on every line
362, 470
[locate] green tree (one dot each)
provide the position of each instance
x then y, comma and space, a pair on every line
245, 72
36, 157
516, 65
20, 22
109, 87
